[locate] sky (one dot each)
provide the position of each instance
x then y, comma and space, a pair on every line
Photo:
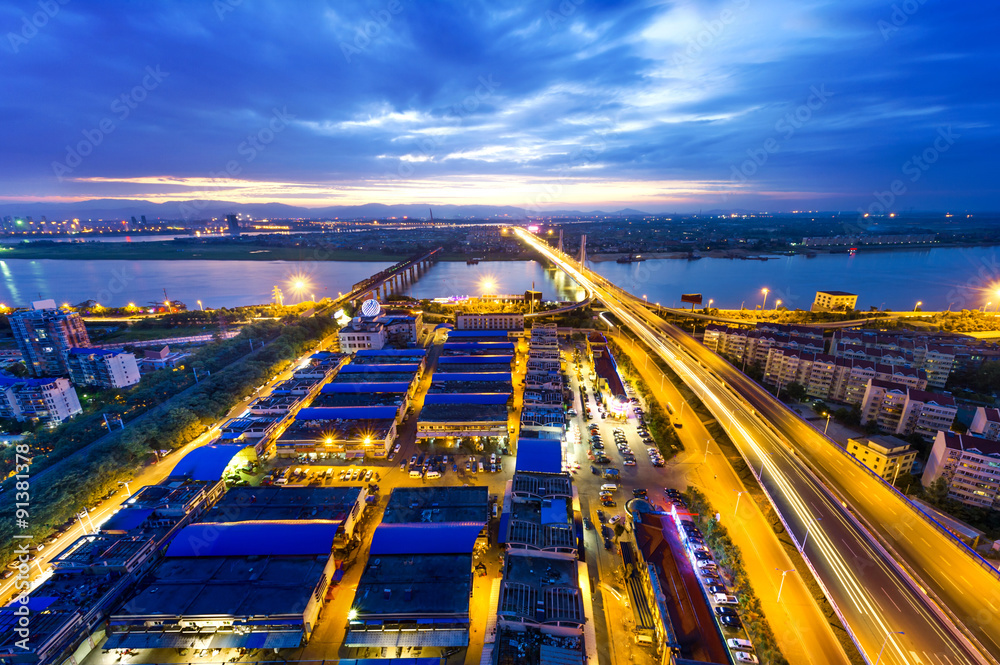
569, 104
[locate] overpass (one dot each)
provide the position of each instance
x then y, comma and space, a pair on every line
906, 590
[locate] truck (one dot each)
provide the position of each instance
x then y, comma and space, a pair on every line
610, 473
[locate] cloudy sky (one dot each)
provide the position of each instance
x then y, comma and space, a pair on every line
661, 106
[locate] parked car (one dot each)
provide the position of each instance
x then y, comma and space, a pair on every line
731, 621
739, 643
725, 599
745, 657
717, 588
587, 524
725, 611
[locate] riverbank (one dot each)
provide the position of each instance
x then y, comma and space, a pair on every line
810, 252
189, 250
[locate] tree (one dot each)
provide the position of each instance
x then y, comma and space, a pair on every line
619, 530
795, 391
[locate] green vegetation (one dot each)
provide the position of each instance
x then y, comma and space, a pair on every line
190, 410
730, 560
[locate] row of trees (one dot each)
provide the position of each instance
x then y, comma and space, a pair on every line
730, 560
235, 373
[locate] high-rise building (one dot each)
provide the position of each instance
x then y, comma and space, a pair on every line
970, 466
45, 334
50, 401
233, 223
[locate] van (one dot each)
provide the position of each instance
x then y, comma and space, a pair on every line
281, 481
609, 487
415, 473
433, 474
724, 599
329, 473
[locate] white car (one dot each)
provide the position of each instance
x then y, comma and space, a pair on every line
615, 519
395, 449
707, 563
745, 657
724, 599
739, 643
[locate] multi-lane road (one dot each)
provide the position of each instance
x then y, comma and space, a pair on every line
928, 601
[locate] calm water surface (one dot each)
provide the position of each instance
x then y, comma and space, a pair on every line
940, 277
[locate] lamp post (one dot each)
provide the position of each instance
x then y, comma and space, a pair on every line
707, 453
886, 641
763, 458
917, 306
763, 303
200, 307
739, 495
777, 304
806, 539
782, 585
827, 426
710, 301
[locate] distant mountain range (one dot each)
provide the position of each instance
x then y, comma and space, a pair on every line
110, 209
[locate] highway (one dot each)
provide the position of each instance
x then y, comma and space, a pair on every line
889, 615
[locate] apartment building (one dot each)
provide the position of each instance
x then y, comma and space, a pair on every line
105, 368
898, 409
45, 334
887, 456
51, 400
986, 423
970, 465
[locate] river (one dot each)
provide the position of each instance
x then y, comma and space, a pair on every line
939, 277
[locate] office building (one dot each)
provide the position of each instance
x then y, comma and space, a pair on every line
104, 368
492, 321
834, 301
45, 334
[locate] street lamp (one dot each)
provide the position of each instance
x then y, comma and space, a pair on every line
806, 539
777, 304
710, 301
739, 495
919, 303
765, 291
707, 453
763, 458
886, 641
782, 585
827, 426
200, 306
986, 306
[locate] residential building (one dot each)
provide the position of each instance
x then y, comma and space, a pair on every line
887, 456
898, 409
970, 466
104, 368
50, 400
493, 321
986, 423
45, 334
832, 301
162, 358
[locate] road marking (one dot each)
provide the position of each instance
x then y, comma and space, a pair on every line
924, 541
844, 540
947, 658
938, 658
915, 657
891, 600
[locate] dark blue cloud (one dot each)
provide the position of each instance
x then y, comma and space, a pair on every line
425, 98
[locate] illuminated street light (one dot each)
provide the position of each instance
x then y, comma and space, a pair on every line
765, 291
739, 495
782, 585
827, 426
919, 303
886, 641
986, 306
710, 301
487, 285
200, 306
777, 304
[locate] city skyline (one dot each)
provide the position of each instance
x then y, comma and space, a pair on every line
737, 105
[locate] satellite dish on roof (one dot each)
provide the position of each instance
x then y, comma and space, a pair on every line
370, 308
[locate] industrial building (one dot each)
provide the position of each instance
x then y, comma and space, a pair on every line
345, 432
